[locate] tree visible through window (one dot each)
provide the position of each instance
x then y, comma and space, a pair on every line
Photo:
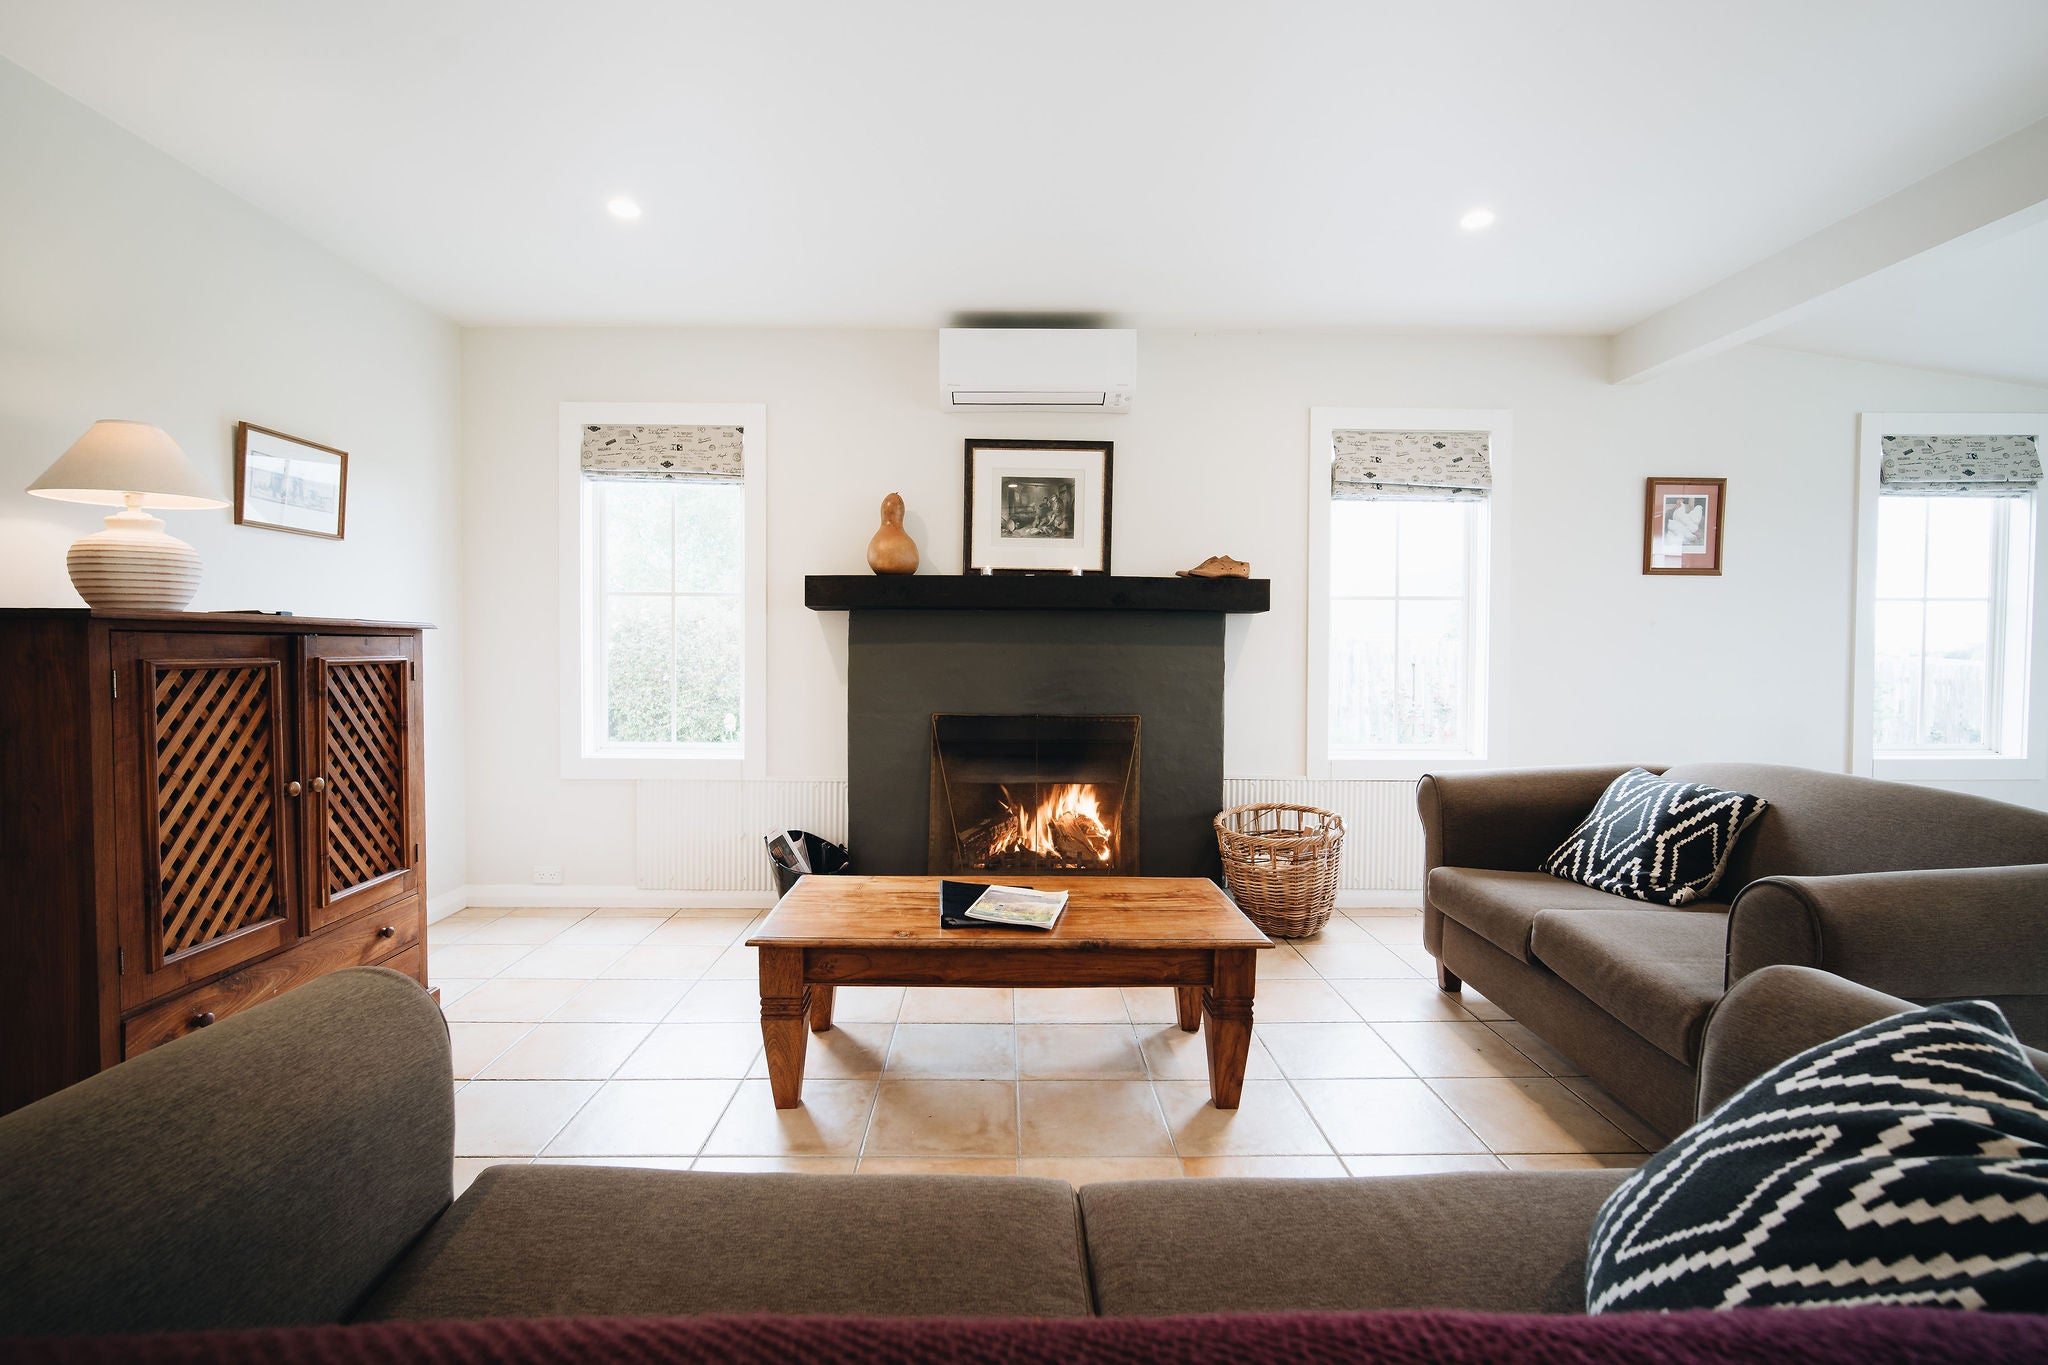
672, 566
1941, 584
1400, 612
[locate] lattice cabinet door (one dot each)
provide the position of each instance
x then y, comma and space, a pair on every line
203, 752
361, 730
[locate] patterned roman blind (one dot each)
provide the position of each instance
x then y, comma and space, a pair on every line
1414, 466
696, 454
1960, 466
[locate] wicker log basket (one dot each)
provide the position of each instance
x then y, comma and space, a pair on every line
1280, 865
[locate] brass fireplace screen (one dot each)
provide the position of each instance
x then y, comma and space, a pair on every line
1023, 795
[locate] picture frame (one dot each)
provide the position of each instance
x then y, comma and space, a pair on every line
1682, 521
286, 483
1037, 507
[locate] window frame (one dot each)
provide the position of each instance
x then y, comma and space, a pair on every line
2020, 753
584, 751
1485, 601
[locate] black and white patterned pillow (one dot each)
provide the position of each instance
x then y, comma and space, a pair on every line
1653, 840
1903, 1163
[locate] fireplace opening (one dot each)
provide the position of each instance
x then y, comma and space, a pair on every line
1034, 794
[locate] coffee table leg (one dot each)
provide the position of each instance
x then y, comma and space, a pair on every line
1227, 1003
784, 1001
1189, 1001
821, 1008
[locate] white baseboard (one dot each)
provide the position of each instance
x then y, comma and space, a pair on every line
1379, 900
447, 903
517, 894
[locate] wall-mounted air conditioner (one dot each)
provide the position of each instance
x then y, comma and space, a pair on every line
1037, 369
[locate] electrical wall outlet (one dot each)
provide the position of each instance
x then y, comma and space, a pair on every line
547, 875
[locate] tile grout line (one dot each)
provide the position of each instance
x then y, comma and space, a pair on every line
867, 1126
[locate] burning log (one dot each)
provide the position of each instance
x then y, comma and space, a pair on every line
1079, 838
1065, 829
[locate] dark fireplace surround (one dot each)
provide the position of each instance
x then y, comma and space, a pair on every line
958, 688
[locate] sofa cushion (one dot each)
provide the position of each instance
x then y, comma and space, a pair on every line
1651, 839
1894, 1164
1501, 1242
546, 1241
1657, 971
1501, 907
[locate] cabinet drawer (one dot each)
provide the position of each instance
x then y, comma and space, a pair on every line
369, 940
412, 962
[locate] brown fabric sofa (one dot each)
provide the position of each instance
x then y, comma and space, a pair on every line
1924, 894
259, 1173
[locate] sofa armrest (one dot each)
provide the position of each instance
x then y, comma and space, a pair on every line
1926, 935
266, 1171
1509, 821
1775, 1013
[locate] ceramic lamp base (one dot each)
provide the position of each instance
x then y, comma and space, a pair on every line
134, 566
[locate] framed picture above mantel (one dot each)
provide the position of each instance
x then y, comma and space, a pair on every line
1682, 525
1037, 507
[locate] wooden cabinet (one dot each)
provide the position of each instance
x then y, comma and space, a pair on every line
197, 812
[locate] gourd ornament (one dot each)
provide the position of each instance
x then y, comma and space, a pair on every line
892, 550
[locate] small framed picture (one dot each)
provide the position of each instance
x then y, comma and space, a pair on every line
285, 484
1038, 506
1682, 525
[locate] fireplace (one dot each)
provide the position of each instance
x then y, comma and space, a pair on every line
1034, 794
1094, 648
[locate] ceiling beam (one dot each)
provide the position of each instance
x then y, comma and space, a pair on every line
2000, 189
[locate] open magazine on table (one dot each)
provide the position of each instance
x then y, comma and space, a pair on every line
977, 905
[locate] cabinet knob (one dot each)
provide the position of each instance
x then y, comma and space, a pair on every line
202, 1019
292, 789
388, 931
319, 784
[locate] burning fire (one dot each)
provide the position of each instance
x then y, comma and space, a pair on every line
1066, 826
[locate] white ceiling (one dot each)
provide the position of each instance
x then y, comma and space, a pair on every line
1976, 309
1175, 163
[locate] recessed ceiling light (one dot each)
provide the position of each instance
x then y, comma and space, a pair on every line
1476, 220
625, 208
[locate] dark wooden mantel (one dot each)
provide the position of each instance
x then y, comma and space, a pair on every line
1033, 592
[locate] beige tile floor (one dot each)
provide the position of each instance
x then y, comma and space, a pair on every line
631, 1037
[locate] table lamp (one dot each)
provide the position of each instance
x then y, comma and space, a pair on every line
132, 565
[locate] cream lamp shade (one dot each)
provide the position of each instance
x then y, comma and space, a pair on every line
132, 565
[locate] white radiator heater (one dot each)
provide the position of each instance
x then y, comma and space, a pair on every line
706, 836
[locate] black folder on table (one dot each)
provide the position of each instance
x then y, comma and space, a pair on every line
955, 897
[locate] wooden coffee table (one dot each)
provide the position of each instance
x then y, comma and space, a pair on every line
1117, 931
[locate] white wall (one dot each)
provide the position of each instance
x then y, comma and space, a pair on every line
1601, 663
131, 287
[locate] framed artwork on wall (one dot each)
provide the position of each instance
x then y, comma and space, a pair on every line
1682, 525
283, 483
1037, 506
